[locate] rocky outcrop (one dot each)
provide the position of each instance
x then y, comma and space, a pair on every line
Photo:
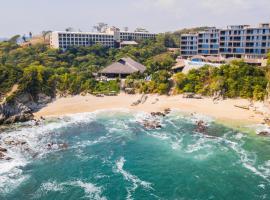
264, 133
14, 112
155, 121
3, 149
21, 108
3, 152
201, 127
40, 101
151, 124
158, 114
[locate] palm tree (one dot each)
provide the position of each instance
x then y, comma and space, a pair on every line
44, 35
14, 39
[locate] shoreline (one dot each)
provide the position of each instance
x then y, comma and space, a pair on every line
223, 111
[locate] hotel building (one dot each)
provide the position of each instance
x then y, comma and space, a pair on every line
110, 38
189, 44
241, 41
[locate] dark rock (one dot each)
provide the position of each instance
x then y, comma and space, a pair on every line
20, 109
201, 127
167, 111
3, 149
35, 155
8, 158
264, 133
158, 126
14, 112
2, 156
160, 114
49, 146
14, 142
148, 124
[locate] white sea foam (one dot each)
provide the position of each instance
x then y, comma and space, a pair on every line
11, 180
261, 186
36, 138
29, 142
201, 143
86, 143
248, 159
239, 136
198, 117
159, 135
51, 186
176, 145
172, 123
90, 189
131, 178
140, 116
259, 128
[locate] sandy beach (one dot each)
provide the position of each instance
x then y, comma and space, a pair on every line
223, 111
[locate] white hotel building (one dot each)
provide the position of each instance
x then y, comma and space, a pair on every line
111, 38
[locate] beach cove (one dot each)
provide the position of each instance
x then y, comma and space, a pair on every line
224, 111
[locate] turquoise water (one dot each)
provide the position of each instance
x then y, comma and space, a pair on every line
110, 155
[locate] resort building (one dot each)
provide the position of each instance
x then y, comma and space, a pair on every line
208, 42
112, 37
122, 68
189, 44
64, 40
240, 41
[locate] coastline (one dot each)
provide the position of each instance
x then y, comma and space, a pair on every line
223, 111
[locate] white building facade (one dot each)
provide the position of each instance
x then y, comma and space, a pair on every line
240, 41
111, 38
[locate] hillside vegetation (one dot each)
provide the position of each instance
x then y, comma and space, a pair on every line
40, 69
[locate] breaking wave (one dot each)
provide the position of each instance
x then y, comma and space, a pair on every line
131, 178
177, 136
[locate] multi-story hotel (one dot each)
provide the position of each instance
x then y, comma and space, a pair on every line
242, 41
189, 44
208, 42
110, 38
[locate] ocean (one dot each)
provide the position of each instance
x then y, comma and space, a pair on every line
109, 154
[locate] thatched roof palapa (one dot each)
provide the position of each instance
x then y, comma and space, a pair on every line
124, 66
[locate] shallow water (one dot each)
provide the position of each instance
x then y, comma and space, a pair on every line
111, 156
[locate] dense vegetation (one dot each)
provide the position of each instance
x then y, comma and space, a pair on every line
40, 69
235, 80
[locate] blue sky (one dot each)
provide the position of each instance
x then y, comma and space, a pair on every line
22, 16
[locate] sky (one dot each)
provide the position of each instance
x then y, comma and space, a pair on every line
23, 16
